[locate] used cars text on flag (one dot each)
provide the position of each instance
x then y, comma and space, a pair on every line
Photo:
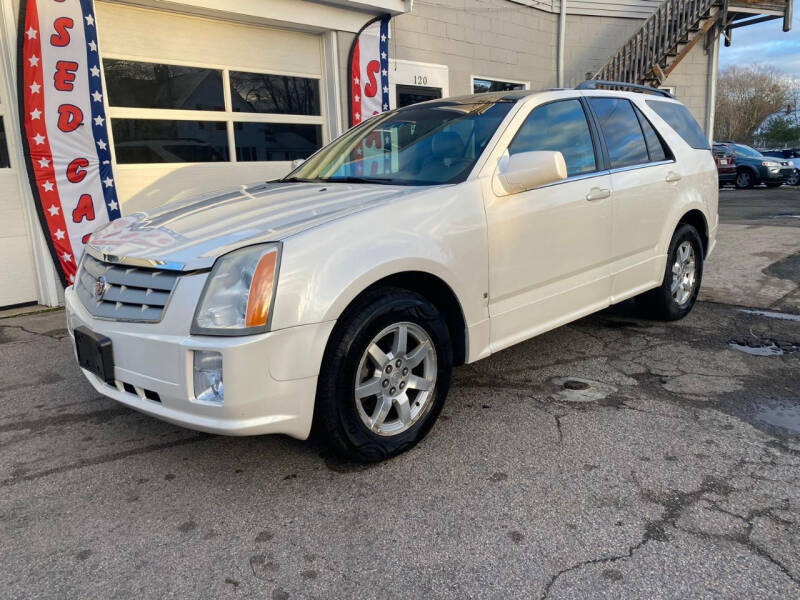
369, 70
64, 129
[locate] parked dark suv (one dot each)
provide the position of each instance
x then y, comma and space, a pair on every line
793, 156
753, 168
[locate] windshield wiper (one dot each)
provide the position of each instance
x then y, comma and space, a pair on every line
298, 180
380, 180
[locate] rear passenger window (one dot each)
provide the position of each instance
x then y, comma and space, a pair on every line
681, 120
559, 126
655, 145
621, 130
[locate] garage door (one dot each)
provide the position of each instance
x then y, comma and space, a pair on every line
197, 104
17, 272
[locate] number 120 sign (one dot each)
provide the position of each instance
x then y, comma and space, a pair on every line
64, 129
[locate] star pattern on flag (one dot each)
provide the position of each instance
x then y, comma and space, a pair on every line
53, 210
101, 144
98, 120
35, 87
33, 61
67, 257
59, 233
31, 33
47, 186
113, 205
92, 46
44, 163
95, 71
39, 139
97, 96
108, 182
89, 20
36, 114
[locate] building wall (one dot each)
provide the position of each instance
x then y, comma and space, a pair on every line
590, 42
690, 80
493, 38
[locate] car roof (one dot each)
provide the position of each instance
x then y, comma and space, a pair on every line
517, 95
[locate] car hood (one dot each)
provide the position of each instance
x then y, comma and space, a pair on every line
190, 234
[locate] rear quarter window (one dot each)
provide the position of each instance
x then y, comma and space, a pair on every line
681, 120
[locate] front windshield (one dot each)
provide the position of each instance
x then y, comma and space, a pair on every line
747, 151
419, 145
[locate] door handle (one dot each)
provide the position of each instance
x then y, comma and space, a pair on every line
672, 177
597, 193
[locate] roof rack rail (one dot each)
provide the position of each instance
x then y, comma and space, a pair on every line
593, 84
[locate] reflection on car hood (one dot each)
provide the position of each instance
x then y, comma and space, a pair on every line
190, 234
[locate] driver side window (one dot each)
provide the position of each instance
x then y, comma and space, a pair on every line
560, 126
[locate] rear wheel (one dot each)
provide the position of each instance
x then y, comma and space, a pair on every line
676, 296
794, 178
385, 375
744, 179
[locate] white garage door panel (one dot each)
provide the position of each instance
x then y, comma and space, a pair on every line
17, 284
153, 35
161, 37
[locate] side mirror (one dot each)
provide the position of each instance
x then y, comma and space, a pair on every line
527, 170
297, 162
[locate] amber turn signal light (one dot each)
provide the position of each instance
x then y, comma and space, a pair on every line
260, 296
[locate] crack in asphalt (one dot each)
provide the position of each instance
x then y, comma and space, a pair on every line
674, 505
47, 334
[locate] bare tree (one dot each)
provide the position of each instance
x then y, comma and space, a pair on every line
745, 97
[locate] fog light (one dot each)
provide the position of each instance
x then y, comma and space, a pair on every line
208, 376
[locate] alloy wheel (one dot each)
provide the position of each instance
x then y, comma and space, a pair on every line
395, 380
684, 273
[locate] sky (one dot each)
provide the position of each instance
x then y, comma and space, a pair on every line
766, 43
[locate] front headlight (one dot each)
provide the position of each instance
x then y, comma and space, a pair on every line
237, 298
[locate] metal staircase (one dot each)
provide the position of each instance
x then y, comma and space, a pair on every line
671, 32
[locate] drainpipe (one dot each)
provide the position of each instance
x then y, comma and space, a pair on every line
711, 89
562, 30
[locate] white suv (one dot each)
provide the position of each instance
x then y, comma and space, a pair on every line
426, 237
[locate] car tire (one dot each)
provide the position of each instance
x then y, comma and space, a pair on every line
745, 179
794, 178
371, 398
676, 295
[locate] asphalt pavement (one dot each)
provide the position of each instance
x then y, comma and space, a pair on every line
615, 457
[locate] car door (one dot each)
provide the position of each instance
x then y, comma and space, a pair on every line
646, 183
550, 247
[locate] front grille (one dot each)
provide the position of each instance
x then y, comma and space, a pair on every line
130, 293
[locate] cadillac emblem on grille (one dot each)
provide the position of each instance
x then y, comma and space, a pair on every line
100, 288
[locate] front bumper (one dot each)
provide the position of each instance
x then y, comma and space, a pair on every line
270, 379
776, 175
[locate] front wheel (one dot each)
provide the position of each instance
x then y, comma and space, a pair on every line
385, 375
676, 295
794, 178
